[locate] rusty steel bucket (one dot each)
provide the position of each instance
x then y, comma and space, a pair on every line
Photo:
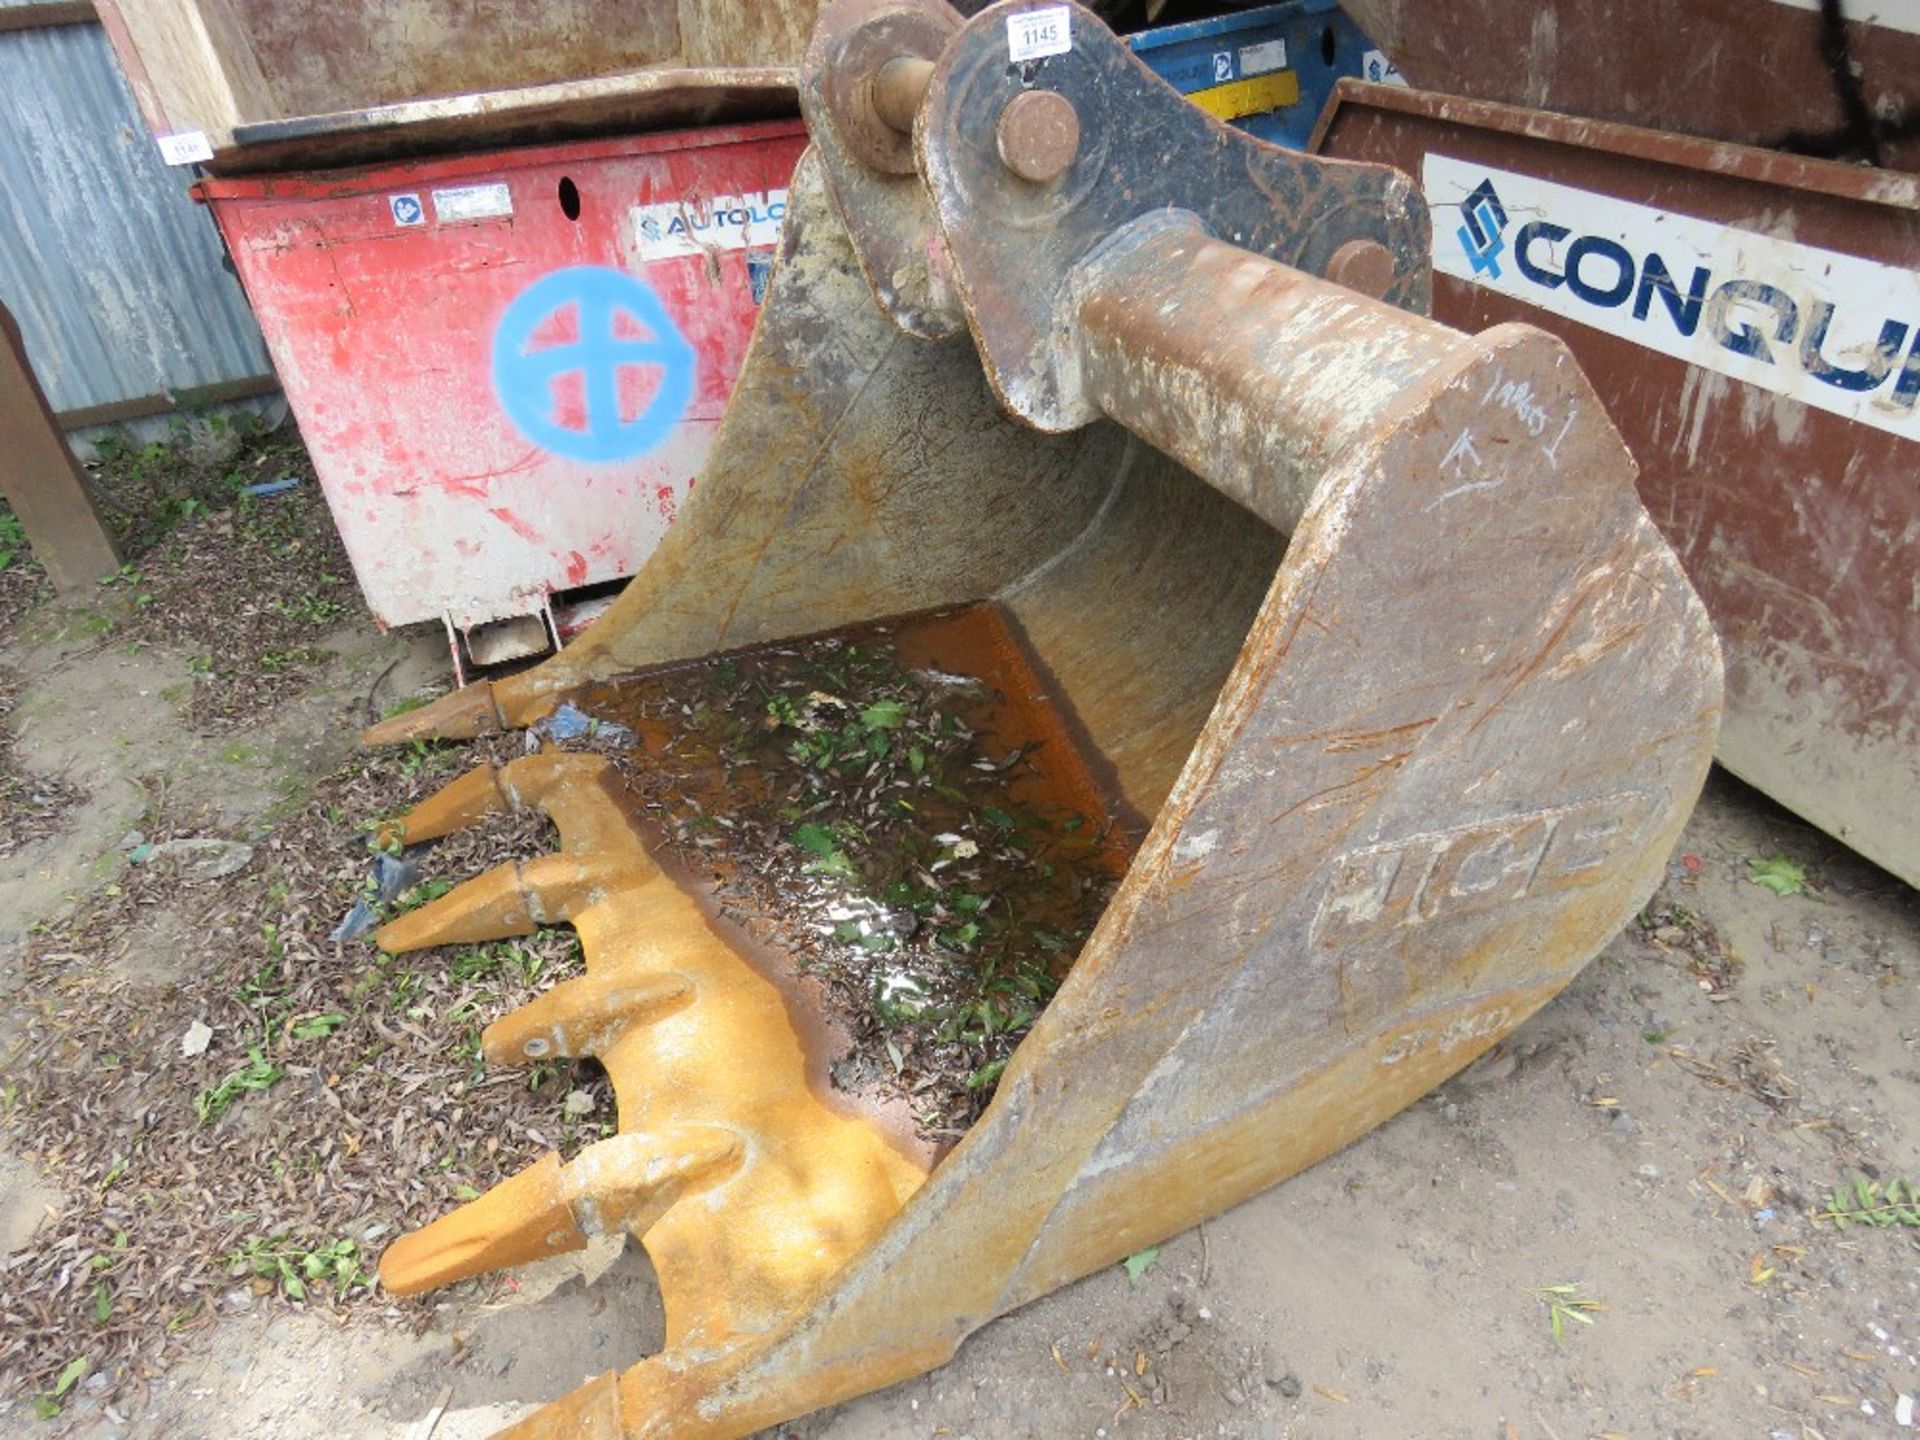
1360, 615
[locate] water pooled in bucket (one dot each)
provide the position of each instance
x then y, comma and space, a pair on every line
899, 811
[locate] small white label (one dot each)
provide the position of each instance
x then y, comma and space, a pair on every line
1375, 66
472, 202
1259, 59
1036, 34
407, 209
189, 147
1222, 66
1831, 330
674, 228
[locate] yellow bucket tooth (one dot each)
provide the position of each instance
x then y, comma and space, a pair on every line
466, 714
548, 1209
456, 805
581, 1017
1362, 614
696, 1041
544, 781
509, 900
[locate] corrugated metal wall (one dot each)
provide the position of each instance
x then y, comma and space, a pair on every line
114, 274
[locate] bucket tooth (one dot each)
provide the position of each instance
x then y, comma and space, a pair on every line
551, 1208
465, 714
522, 1219
463, 802
492, 906
581, 1017
507, 901
546, 780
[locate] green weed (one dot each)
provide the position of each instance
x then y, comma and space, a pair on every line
293, 1267
1867, 1202
258, 1074
1564, 1303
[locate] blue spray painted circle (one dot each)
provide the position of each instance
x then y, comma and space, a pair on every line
523, 378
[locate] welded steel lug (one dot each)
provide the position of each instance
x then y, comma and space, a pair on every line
1015, 244
862, 81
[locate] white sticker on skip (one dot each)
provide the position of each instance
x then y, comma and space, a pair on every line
471, 202
673, 228
1036, 34
1259, 59
189, 147
1835, 331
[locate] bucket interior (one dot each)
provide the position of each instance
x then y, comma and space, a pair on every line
1139, 621
920, 896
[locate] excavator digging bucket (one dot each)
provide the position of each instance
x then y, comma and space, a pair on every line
1360, 618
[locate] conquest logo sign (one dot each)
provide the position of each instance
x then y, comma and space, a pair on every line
1829, 330
1481, 237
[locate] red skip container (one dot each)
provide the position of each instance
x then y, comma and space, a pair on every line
508, 366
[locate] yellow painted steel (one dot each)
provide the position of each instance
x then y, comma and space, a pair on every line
717, 1104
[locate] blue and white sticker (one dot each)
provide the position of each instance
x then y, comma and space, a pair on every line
1375, 66
407, 209
1830, 330
693, 226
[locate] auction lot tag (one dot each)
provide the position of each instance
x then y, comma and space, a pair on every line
1036, 34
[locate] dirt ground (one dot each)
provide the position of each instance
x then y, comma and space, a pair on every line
1660, 1142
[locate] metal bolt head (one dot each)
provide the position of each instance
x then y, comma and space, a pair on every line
1039, 135
898, 88
1363, 265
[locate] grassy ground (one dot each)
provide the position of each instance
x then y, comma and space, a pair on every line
330, 1104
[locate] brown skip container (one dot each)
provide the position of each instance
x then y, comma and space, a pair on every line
1798, 525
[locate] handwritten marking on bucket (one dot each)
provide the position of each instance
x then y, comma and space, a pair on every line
1364, 613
